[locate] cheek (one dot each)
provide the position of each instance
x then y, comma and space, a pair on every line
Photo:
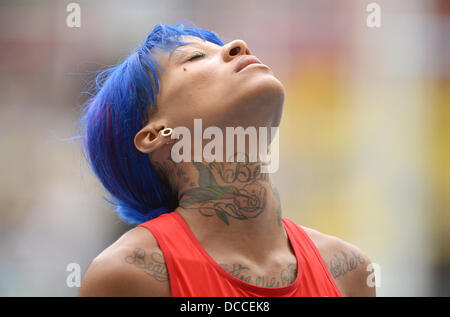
199, 91
202, 78
203, 86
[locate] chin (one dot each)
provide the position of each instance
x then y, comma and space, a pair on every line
260, 102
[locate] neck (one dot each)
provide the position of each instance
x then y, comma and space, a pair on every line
230, 204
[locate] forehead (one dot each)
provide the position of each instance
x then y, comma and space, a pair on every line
193, 39
196, 42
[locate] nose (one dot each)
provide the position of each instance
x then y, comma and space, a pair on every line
235, 48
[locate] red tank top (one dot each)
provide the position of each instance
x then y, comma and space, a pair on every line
194, 273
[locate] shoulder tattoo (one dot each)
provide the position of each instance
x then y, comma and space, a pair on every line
152, 264
341, 263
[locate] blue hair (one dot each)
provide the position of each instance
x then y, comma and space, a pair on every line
119, 107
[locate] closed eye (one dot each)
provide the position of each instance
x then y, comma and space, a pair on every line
196, 56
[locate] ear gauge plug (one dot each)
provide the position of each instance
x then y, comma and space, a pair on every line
167, 132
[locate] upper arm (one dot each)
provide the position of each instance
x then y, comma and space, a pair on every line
130, 267
355, 278
108, 277
346, 263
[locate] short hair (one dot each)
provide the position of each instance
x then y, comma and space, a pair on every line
118, 108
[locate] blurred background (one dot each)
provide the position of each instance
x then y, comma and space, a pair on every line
364, 138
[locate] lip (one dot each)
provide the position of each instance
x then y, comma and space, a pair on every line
245, 61
254, 65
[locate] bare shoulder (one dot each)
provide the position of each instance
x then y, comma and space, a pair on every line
346, 262
132, 266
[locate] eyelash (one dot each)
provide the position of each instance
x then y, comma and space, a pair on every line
195, 56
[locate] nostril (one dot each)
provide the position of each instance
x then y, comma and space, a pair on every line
235, 51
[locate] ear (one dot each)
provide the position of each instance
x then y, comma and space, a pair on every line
149, 138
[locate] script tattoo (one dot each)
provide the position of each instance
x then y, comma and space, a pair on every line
341, 263
154, 267
287, 275
242, 172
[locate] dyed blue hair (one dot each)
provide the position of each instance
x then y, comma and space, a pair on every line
119, 108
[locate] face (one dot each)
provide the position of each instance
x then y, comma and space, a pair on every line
201, 80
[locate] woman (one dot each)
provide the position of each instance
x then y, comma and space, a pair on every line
206, 228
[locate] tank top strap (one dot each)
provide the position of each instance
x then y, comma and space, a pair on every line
315, 265
178, 250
